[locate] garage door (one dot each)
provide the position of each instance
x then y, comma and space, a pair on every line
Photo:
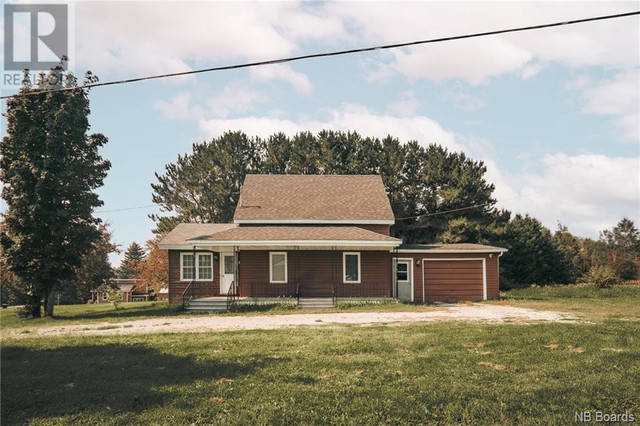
453, 280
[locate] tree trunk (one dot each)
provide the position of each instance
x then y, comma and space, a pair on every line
48, 303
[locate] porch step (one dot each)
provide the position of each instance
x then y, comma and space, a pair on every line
203, 305
315, 302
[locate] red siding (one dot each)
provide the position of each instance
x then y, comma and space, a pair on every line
380, 229
315, 271
201, 288
460, 276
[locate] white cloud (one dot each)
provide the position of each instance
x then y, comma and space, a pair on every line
611, 43
588, 193
347, 117
618, 97
406, 106
179, 107
298, 80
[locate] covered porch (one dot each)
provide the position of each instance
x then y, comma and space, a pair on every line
260, 262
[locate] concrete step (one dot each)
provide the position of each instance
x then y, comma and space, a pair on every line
207, 306
315, 303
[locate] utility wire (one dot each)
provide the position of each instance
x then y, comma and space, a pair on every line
328, 54
477, 206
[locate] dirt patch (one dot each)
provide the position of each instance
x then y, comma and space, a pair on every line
204, 323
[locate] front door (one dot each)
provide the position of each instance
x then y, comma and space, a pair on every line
226, 272
404, 280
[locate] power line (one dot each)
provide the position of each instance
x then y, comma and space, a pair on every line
328, 54
128, 208
477, 206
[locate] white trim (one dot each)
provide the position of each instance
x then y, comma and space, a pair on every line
286, 267
322, 243
484, 271
196, 265
316, 221
409, 272
222, 268
344, 267
195, 269
451, 251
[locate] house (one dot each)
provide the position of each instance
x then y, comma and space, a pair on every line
133, 290
319, 237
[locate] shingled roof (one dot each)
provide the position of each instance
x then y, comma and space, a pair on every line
298, 233
184, 232
310, 198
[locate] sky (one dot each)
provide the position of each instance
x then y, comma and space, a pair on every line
553, 113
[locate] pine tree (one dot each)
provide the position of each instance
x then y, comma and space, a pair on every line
133, 256
50, 167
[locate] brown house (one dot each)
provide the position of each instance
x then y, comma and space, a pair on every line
133, 290
319, 237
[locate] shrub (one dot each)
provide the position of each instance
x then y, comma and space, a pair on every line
602, 276
114, 296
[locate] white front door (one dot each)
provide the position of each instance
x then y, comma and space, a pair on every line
226, 272
404, 280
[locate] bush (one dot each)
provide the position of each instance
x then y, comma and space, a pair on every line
602, 276
28, 311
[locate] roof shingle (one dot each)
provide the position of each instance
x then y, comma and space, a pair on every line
313, 197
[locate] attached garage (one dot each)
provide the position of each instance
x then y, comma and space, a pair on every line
454, 279
453, 272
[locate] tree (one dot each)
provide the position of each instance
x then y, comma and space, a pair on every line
133, 256
623, 248
94, 270
423, 184
155, 266
204, 186
533, 257
50, 167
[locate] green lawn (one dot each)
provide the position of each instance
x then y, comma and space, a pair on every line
80, 314
446, 373
619, 302
441, 373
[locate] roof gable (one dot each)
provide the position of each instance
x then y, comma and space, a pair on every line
313, 199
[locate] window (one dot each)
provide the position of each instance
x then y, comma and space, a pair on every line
402, 271
104, 296
351, 267
196, 267
278, 267
205, 267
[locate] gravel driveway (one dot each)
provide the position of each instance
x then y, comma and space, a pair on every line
204, 323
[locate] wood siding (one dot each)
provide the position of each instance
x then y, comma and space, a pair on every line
380, 229
461, 285
200, 288
315, 272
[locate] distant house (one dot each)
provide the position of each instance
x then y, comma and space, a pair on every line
133, 290
320, 237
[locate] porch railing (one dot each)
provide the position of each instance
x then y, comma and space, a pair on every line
232, 295
362, 290
196, 289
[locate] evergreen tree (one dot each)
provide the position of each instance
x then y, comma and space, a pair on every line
533, 258
204, 186
50, 167
133, 256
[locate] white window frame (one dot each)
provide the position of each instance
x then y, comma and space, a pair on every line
196, 264
104, 296
286, 267
344, 267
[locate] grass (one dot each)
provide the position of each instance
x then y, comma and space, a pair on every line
618, 302
437, 373
441, 373
84, 314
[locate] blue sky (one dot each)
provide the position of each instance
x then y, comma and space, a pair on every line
553, 113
